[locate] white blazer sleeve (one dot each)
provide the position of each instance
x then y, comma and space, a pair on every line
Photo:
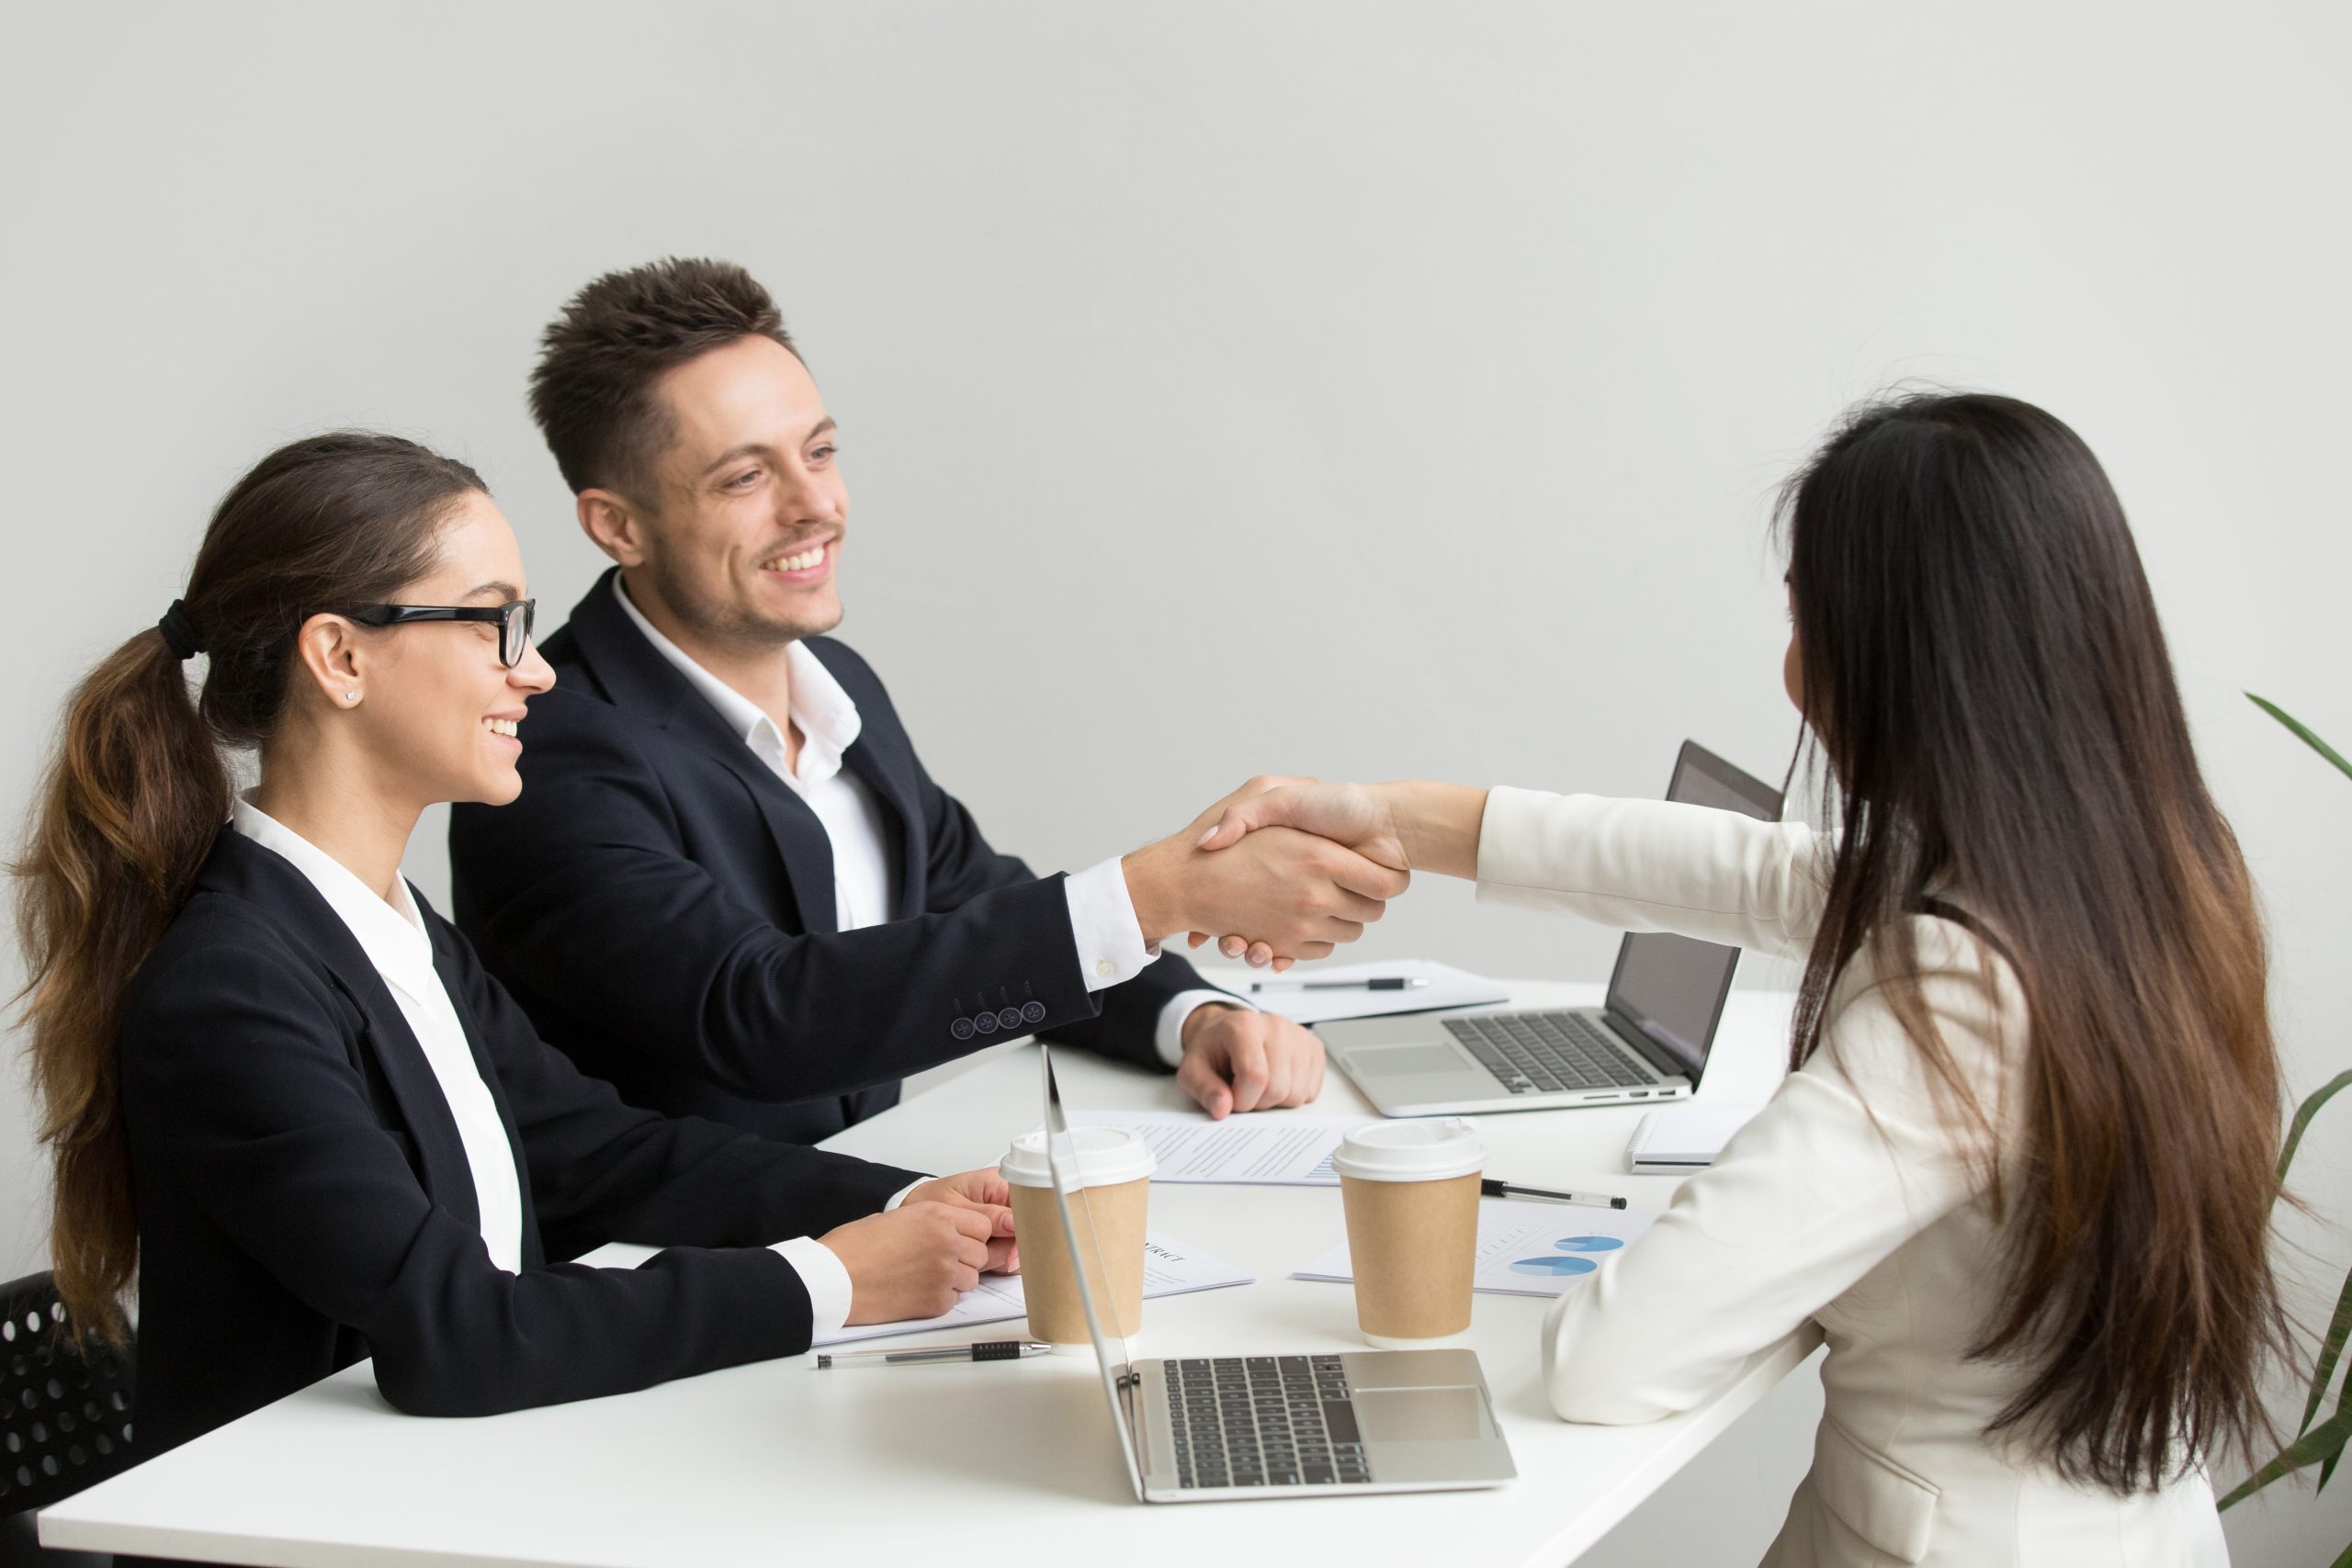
1856, 1155
1649, 865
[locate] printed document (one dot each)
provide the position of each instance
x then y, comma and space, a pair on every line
1170, 1269
1447, 987
1261, 1149
1524, 1249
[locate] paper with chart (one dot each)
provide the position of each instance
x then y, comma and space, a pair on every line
1262, 1149
1524, 1249
1170, 1269
1447, 987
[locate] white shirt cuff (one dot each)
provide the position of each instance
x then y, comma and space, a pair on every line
900, 1195
1169, 1033
1102, 919
825, 1277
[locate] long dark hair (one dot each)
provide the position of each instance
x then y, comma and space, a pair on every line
137, 790
1984, 671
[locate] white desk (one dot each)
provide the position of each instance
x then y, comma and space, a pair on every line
775, 1463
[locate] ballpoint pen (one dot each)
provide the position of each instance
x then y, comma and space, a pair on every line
931, 1355
1489, 1188
1389, 983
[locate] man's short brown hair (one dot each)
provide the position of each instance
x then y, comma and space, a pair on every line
593, 390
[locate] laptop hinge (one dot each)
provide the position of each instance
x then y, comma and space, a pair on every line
1649, 1050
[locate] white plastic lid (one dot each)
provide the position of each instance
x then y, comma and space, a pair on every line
1106, 1156
1428, 1150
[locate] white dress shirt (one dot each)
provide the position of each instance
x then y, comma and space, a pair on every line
1102, 915
393, 937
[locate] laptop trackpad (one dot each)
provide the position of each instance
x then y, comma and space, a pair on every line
1396, 1059
1420, 1414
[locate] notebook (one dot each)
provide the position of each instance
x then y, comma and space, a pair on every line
1684, 1137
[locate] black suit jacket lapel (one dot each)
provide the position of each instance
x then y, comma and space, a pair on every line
888, 771
267, 878
637, 678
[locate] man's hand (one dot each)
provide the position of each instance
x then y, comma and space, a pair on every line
1237, 1060
987, 1190
911, 1262
1298, 893
1409, 825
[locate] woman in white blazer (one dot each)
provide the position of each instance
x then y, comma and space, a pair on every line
2022, 1170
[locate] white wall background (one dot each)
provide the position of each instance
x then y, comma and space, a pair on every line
1356, 389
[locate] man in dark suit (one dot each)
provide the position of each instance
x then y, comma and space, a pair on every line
730, 886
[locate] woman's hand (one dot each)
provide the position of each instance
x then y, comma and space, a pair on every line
1409, 827
912, 1261
987, 1190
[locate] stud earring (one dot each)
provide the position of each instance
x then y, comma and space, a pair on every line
351, 696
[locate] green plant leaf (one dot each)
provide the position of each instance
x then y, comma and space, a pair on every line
2326, 1471
2301, 732
2344, 1560
2330, 1348
2303, 1114
2321, 1442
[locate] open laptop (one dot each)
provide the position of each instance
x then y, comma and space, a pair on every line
1209, 1428
1647, 1041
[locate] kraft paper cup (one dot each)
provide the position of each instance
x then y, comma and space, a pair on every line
1411, 1193
1113, 1173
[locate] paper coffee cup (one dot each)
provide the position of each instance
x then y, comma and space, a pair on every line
1114, 1188
1410, 1190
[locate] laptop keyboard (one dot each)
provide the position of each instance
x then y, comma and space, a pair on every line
1263, 1421
1544, 1052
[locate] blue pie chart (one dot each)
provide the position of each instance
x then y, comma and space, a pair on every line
1589, 1244
1554, 1266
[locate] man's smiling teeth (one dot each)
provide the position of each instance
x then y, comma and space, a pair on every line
800, 562
505, 726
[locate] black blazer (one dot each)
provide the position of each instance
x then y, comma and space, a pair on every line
304, 1200
661, 904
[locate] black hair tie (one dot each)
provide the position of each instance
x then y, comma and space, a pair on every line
179, 632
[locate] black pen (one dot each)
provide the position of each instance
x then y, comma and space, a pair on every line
931, 1355
1391, 983
1489, 1188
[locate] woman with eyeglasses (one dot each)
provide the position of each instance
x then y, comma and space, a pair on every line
2022, 1169
284, 1101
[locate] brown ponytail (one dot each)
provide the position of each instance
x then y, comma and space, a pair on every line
137, 790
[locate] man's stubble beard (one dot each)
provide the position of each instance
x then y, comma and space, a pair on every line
723, 621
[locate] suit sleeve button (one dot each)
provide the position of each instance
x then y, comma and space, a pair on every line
1009, 1019
985, 1022
961, 1029
1034, 1013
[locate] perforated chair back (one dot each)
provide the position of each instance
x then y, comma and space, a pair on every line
65, 1413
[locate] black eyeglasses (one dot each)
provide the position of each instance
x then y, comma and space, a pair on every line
514, 620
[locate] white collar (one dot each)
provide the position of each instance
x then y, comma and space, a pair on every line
392, 935
827, 719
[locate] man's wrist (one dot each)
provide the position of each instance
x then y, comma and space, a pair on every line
1200, 1013
1146, 890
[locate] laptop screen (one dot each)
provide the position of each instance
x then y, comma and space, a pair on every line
1672, 987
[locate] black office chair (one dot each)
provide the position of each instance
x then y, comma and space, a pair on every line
64, 1417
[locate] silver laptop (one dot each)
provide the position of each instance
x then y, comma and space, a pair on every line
1647, 1041
1208, 1429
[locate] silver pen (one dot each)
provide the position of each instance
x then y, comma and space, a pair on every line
1490, 1187
933, 1354
1387, 983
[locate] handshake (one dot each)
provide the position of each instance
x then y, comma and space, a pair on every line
1284, 868
1280, 870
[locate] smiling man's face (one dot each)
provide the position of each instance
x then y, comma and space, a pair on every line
751, 506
